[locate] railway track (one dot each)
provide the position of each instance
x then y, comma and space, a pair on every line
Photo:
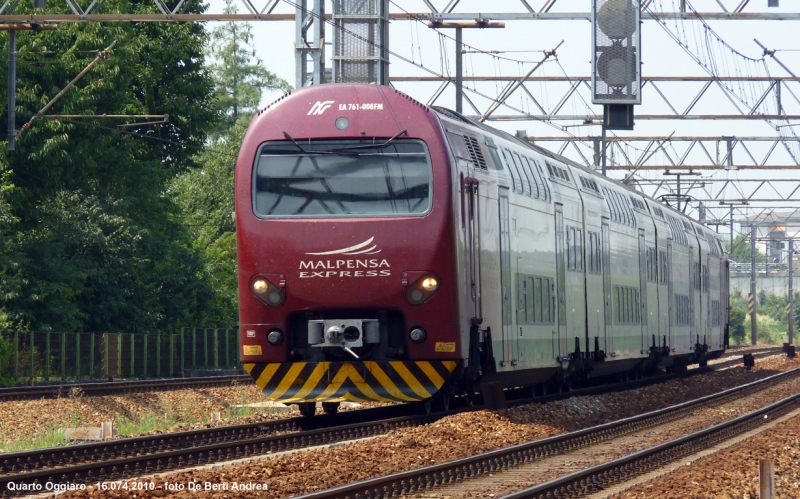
428, 481
736, 357
120, 387
131, 457
132, 386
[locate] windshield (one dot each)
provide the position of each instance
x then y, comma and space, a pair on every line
326, 179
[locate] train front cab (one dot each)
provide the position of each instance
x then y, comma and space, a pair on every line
346, 275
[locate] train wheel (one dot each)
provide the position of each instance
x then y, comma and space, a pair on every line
330, 407
307, 409
424, 407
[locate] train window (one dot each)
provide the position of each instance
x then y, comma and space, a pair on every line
652, 267
545, 186
534, 182
682, 310
512, 170
578, 250
533, 302
696, 276
626, 204
331, 179
523, 296
526, 181
569, 247
715, 313
547, 302
664, 272
626, 305
598, 267
705, 278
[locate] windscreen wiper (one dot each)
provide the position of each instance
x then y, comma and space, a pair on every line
371, 146
304, 151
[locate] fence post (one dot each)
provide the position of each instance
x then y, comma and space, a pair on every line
31, 366
216, 348
47, 356
205, 348
133, 355
227, 349
194, 348
78, 356
144, 354
63, 356
183, 350
158, 354
171, 352
238, 347
106, 338
16, 356
118, 370
91, 355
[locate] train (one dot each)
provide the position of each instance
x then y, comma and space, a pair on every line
394, 251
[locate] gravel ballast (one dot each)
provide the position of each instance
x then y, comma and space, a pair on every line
450, 438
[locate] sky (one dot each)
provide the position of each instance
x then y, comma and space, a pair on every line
521, 43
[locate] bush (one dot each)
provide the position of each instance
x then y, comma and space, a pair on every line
737, 332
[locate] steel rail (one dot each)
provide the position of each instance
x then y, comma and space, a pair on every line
757, 354
597, 478
129, 458
108, 387
91, 462
420, 479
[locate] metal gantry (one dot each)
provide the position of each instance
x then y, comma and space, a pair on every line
265, 10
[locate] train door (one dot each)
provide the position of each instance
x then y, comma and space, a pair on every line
692, 320
472, 241
608, 332
643, 288
560, 349
509, 338
670, 297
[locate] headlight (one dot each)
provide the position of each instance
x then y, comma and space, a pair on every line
422, 289
260, 286
430, 284
267, 291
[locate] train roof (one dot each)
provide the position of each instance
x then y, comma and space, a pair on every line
453, 115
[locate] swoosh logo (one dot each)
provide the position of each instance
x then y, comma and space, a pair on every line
359, 249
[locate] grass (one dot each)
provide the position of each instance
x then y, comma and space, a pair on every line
146, 423
166, 416
50, 437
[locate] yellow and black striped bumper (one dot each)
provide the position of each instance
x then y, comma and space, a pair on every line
398, 381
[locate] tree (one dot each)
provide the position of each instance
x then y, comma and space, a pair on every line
741, 250
239, 76
89, 240
737, 325
206, 199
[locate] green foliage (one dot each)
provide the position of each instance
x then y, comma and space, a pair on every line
741, 250
239, 77
737, 330
206, 199
88, 238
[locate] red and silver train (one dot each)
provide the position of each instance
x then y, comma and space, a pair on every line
393, 251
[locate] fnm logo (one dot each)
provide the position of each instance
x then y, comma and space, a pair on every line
320, 107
